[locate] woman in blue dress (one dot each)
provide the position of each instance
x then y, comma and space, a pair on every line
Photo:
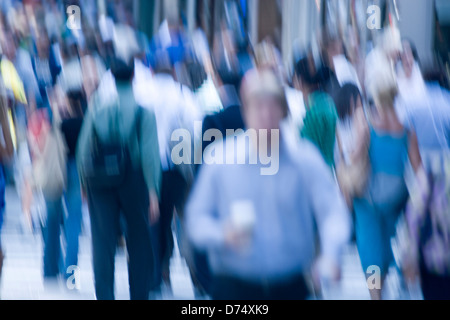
388, 147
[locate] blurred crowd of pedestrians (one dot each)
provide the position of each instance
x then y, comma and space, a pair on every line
93, 115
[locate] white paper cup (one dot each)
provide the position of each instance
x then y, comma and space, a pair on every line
243, 216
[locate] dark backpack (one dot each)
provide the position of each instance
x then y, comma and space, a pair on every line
109, 162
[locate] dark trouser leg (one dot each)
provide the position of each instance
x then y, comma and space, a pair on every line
52, 245
2, 200
2, 211
201, 267
1, 262
134, 201
104, 213
164, 225
173, 195
196, 261
155, 242
434, 287
72, 223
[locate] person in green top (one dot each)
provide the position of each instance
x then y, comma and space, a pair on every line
112, 119
321, 115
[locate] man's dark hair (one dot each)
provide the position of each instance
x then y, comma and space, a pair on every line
229, 76
77, 102
343, 98
314, 79
121, 70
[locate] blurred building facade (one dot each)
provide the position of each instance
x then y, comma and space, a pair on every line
292, 25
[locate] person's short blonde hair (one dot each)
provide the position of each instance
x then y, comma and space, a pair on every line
263, 81
265, 55
392, 40
383, 87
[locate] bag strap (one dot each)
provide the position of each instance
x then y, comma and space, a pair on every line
138, 122
364, 121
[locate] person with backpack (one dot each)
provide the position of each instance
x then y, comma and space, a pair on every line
120, 172
68, 104
49, 159
71, 123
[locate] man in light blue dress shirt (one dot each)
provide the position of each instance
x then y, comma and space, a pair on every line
260, 230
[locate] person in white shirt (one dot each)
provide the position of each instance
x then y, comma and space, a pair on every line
411, 84
385, 53
344, 71
175, 108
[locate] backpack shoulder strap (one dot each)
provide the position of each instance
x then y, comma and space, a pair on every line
138, 122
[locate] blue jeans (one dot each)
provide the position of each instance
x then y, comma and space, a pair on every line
21, 122
2, 199
71, 222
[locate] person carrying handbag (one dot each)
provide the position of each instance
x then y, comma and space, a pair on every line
351, 174
49, 161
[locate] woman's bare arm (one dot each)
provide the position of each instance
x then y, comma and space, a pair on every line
413, 152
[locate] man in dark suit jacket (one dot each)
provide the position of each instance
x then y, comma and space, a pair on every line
230, 76
228, 119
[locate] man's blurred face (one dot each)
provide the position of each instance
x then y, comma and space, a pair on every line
263, 112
